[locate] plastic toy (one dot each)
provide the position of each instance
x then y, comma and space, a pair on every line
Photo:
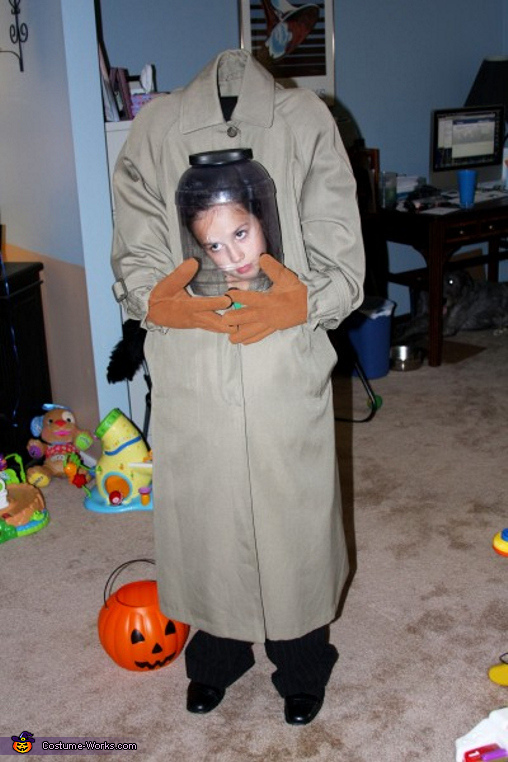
76, 472
500, 542
499, 672
56, 435
123, 473
9, 475
132, 629
22, 508
491, 751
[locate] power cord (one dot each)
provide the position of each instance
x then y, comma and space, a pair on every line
375, 401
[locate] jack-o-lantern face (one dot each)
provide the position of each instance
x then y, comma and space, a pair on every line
135, 633
21, 746
23, 743
143, 649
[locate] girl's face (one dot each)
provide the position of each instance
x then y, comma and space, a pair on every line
233, 239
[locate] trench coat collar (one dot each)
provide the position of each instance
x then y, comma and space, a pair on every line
200, 99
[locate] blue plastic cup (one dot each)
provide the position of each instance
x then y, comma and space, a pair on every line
467, 187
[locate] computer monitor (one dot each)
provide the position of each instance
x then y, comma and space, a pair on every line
471, 137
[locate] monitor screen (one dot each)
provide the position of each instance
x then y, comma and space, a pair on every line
468, 137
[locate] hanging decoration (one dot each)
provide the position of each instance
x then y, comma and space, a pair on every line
18, 33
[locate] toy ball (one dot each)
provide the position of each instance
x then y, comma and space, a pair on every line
135, 633
500, 542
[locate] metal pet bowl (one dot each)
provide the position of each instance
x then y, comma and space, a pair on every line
405, 357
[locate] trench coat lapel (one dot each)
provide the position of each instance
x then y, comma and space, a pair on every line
201, 106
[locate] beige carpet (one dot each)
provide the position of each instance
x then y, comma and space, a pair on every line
424, 617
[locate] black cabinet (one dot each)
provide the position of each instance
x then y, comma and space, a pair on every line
24, 374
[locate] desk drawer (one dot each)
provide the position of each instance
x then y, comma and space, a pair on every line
494, 227
462, 231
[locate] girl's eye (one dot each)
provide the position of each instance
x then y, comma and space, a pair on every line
214, 247
240, 234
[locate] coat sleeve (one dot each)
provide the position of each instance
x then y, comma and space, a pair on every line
141, 254
330, 221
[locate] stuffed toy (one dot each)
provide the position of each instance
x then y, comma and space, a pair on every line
57, 435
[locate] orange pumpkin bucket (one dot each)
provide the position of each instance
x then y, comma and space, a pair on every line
132, 629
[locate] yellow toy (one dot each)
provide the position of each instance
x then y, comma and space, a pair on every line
500, 542
123, 473
499, 672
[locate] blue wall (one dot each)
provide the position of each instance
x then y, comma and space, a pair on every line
398, 61
178, 36
395, 62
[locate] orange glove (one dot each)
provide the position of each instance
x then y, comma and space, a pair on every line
171, 306
265, 312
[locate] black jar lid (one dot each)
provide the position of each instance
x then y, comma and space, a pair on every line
219, 158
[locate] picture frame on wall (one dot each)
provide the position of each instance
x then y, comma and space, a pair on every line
293, 41
111, 112
121, 90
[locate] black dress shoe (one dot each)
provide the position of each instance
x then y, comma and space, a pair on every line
301, 708
203, 698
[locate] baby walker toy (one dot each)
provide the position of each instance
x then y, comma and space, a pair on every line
123, 473
22, 508
499, 672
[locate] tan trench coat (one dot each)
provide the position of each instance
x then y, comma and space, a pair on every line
248, 526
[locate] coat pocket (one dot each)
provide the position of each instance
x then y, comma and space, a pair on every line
320, 359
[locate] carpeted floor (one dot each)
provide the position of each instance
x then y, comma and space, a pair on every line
425, 615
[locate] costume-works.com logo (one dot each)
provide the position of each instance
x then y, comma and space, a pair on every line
23, 743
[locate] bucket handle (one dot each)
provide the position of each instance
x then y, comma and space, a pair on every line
108, 587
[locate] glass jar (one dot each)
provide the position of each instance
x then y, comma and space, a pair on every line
228, 217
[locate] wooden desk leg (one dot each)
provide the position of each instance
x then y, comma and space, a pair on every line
436, 269
493, 261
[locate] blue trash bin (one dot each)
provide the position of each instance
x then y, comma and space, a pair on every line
369, 331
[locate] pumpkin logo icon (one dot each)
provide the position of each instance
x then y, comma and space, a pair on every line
23, 743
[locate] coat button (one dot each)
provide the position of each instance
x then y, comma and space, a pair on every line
232, 131
133, 174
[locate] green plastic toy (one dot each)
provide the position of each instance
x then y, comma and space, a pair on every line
16, 480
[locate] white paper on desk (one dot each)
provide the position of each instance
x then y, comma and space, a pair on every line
407, 183
440, 210
481, 194
488, 195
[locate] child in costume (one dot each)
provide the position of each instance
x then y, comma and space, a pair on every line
249, 539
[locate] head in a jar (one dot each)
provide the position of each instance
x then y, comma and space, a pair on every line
229, 211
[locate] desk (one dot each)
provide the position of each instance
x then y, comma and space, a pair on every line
24, 374
437, 237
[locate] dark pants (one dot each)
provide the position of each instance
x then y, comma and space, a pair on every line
303, 665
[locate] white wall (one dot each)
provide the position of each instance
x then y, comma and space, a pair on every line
38, 197
79, 26
54, 195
